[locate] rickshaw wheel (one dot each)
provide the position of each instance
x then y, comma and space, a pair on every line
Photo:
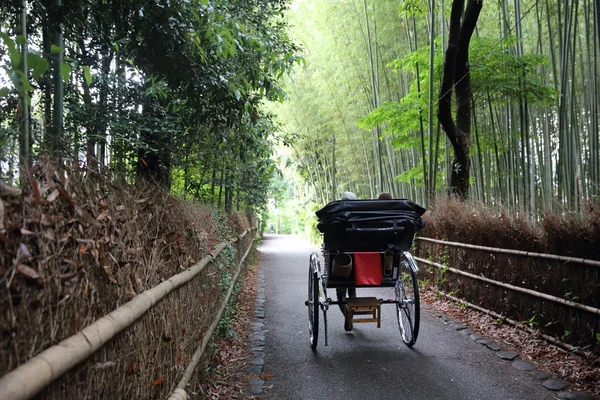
408, 306
313, 304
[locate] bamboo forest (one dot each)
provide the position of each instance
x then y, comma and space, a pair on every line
364, 108
168, 169
351, 89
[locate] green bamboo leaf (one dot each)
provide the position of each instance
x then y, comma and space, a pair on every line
21, 82
54, 49
87, 75
7, 40
4, 91
40, 68
32, 59
65, 70
15, 57
21, 40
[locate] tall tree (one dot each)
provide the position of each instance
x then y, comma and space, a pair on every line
456, 79
24, 142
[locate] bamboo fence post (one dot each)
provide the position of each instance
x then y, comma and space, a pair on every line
34, 375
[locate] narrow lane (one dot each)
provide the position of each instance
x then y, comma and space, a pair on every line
370, 363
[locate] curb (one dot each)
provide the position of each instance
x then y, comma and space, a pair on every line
546, 379
257, 340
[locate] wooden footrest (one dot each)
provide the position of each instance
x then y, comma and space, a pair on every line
368, 306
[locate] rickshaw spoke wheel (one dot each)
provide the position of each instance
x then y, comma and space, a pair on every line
313, 303
408, 305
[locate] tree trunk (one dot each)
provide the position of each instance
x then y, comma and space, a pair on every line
456, 77
24, 99
430, 194
58, 114
46, 83
153, 157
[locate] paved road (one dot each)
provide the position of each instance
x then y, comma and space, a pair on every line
370, 363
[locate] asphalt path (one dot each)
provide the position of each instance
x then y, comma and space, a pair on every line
369, 363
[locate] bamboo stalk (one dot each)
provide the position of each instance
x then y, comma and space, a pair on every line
31, 377
546, 256
530, 292
550, 339
180, 393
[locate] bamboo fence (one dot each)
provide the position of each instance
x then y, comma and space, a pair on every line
555, 257
179, 393
27, 380
540, 295
582, 319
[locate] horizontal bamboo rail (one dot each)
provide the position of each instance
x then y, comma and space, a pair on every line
179, 393
514, 288
546, 256
30, 378
517, 325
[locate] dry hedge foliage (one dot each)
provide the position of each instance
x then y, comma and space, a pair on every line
76, 245
568, 235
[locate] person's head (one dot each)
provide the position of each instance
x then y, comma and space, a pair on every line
384, 196
349, 196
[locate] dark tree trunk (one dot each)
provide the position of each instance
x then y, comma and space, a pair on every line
153, 166
46, 81
107, 59
59, 86
213, 182
221, 187
87, 101
153, 157
456, 77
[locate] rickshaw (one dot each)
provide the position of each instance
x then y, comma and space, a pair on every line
366, 244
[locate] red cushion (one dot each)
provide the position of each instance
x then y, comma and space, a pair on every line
367, 269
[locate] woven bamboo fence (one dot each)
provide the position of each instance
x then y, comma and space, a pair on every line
558, 295
142, 349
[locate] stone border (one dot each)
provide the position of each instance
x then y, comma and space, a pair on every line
544, 377
257, 340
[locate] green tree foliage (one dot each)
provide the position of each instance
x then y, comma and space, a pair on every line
493, 69
168, 91
361, 106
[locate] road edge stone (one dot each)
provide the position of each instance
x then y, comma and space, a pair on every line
547, 380
257, 339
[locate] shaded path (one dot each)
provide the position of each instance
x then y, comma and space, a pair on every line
370, 363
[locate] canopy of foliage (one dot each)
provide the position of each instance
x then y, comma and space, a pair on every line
164, 90
364, 106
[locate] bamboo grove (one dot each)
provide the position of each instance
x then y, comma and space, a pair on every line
159, 90
364, 107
